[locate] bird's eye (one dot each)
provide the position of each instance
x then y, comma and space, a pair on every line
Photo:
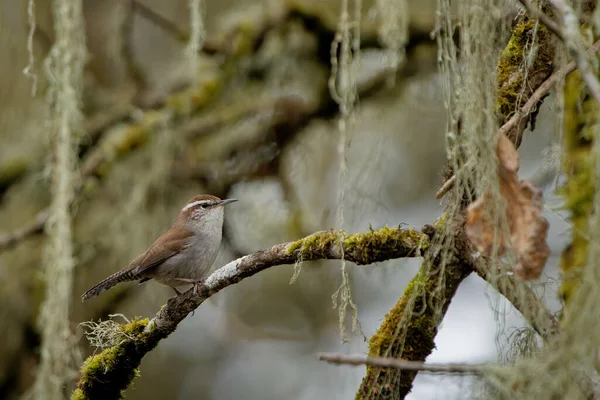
204, 205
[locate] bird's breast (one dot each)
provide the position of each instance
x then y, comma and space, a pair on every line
193, 262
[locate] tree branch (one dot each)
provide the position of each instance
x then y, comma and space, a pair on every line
14, 237
105, 375
408, 330
405, 365
523, 300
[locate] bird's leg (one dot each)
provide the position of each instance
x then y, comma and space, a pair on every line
177, 292
197, 284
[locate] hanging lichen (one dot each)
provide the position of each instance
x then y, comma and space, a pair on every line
64, 67
28, 71
393, 31
345, 58
197, 35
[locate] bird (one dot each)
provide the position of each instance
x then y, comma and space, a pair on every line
182, 255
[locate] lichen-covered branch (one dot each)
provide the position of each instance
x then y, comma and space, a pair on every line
409, 329
106, 375
523, 300
423, 306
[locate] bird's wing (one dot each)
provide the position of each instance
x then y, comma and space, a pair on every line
165, 247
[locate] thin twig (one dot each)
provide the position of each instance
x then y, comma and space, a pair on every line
171, 28
160, 21
449, 184
37, 226
111, 371
10, 239
406, 365
515, 122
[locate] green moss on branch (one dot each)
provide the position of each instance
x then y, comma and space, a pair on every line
514, 67
409, 328
362, 248
106, 375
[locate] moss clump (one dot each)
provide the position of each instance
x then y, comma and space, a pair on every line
511, 68
383, 339
314, 245
135, 327
77, 395
108, 374
363, 248
378, 245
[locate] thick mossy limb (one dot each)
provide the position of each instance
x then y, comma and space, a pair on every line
106, 375
409, 329
362, 248
581, 114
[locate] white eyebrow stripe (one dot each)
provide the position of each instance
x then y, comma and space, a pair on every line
196, 203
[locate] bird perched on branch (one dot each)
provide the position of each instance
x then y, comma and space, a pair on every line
182, 255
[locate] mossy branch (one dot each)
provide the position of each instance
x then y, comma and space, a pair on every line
108, 374
523, 300
420, 310
409, 328
516, 78
420, 320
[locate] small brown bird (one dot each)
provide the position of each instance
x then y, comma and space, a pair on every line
182, 255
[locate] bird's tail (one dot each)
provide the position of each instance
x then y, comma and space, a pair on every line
123, 275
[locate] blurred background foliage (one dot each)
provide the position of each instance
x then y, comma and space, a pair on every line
254, 121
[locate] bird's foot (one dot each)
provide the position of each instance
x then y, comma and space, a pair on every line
197, 284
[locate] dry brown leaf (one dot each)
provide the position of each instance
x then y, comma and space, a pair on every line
523, 202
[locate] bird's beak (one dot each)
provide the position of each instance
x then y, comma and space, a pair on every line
227, 201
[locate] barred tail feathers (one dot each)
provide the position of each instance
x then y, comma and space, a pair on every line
124, 275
